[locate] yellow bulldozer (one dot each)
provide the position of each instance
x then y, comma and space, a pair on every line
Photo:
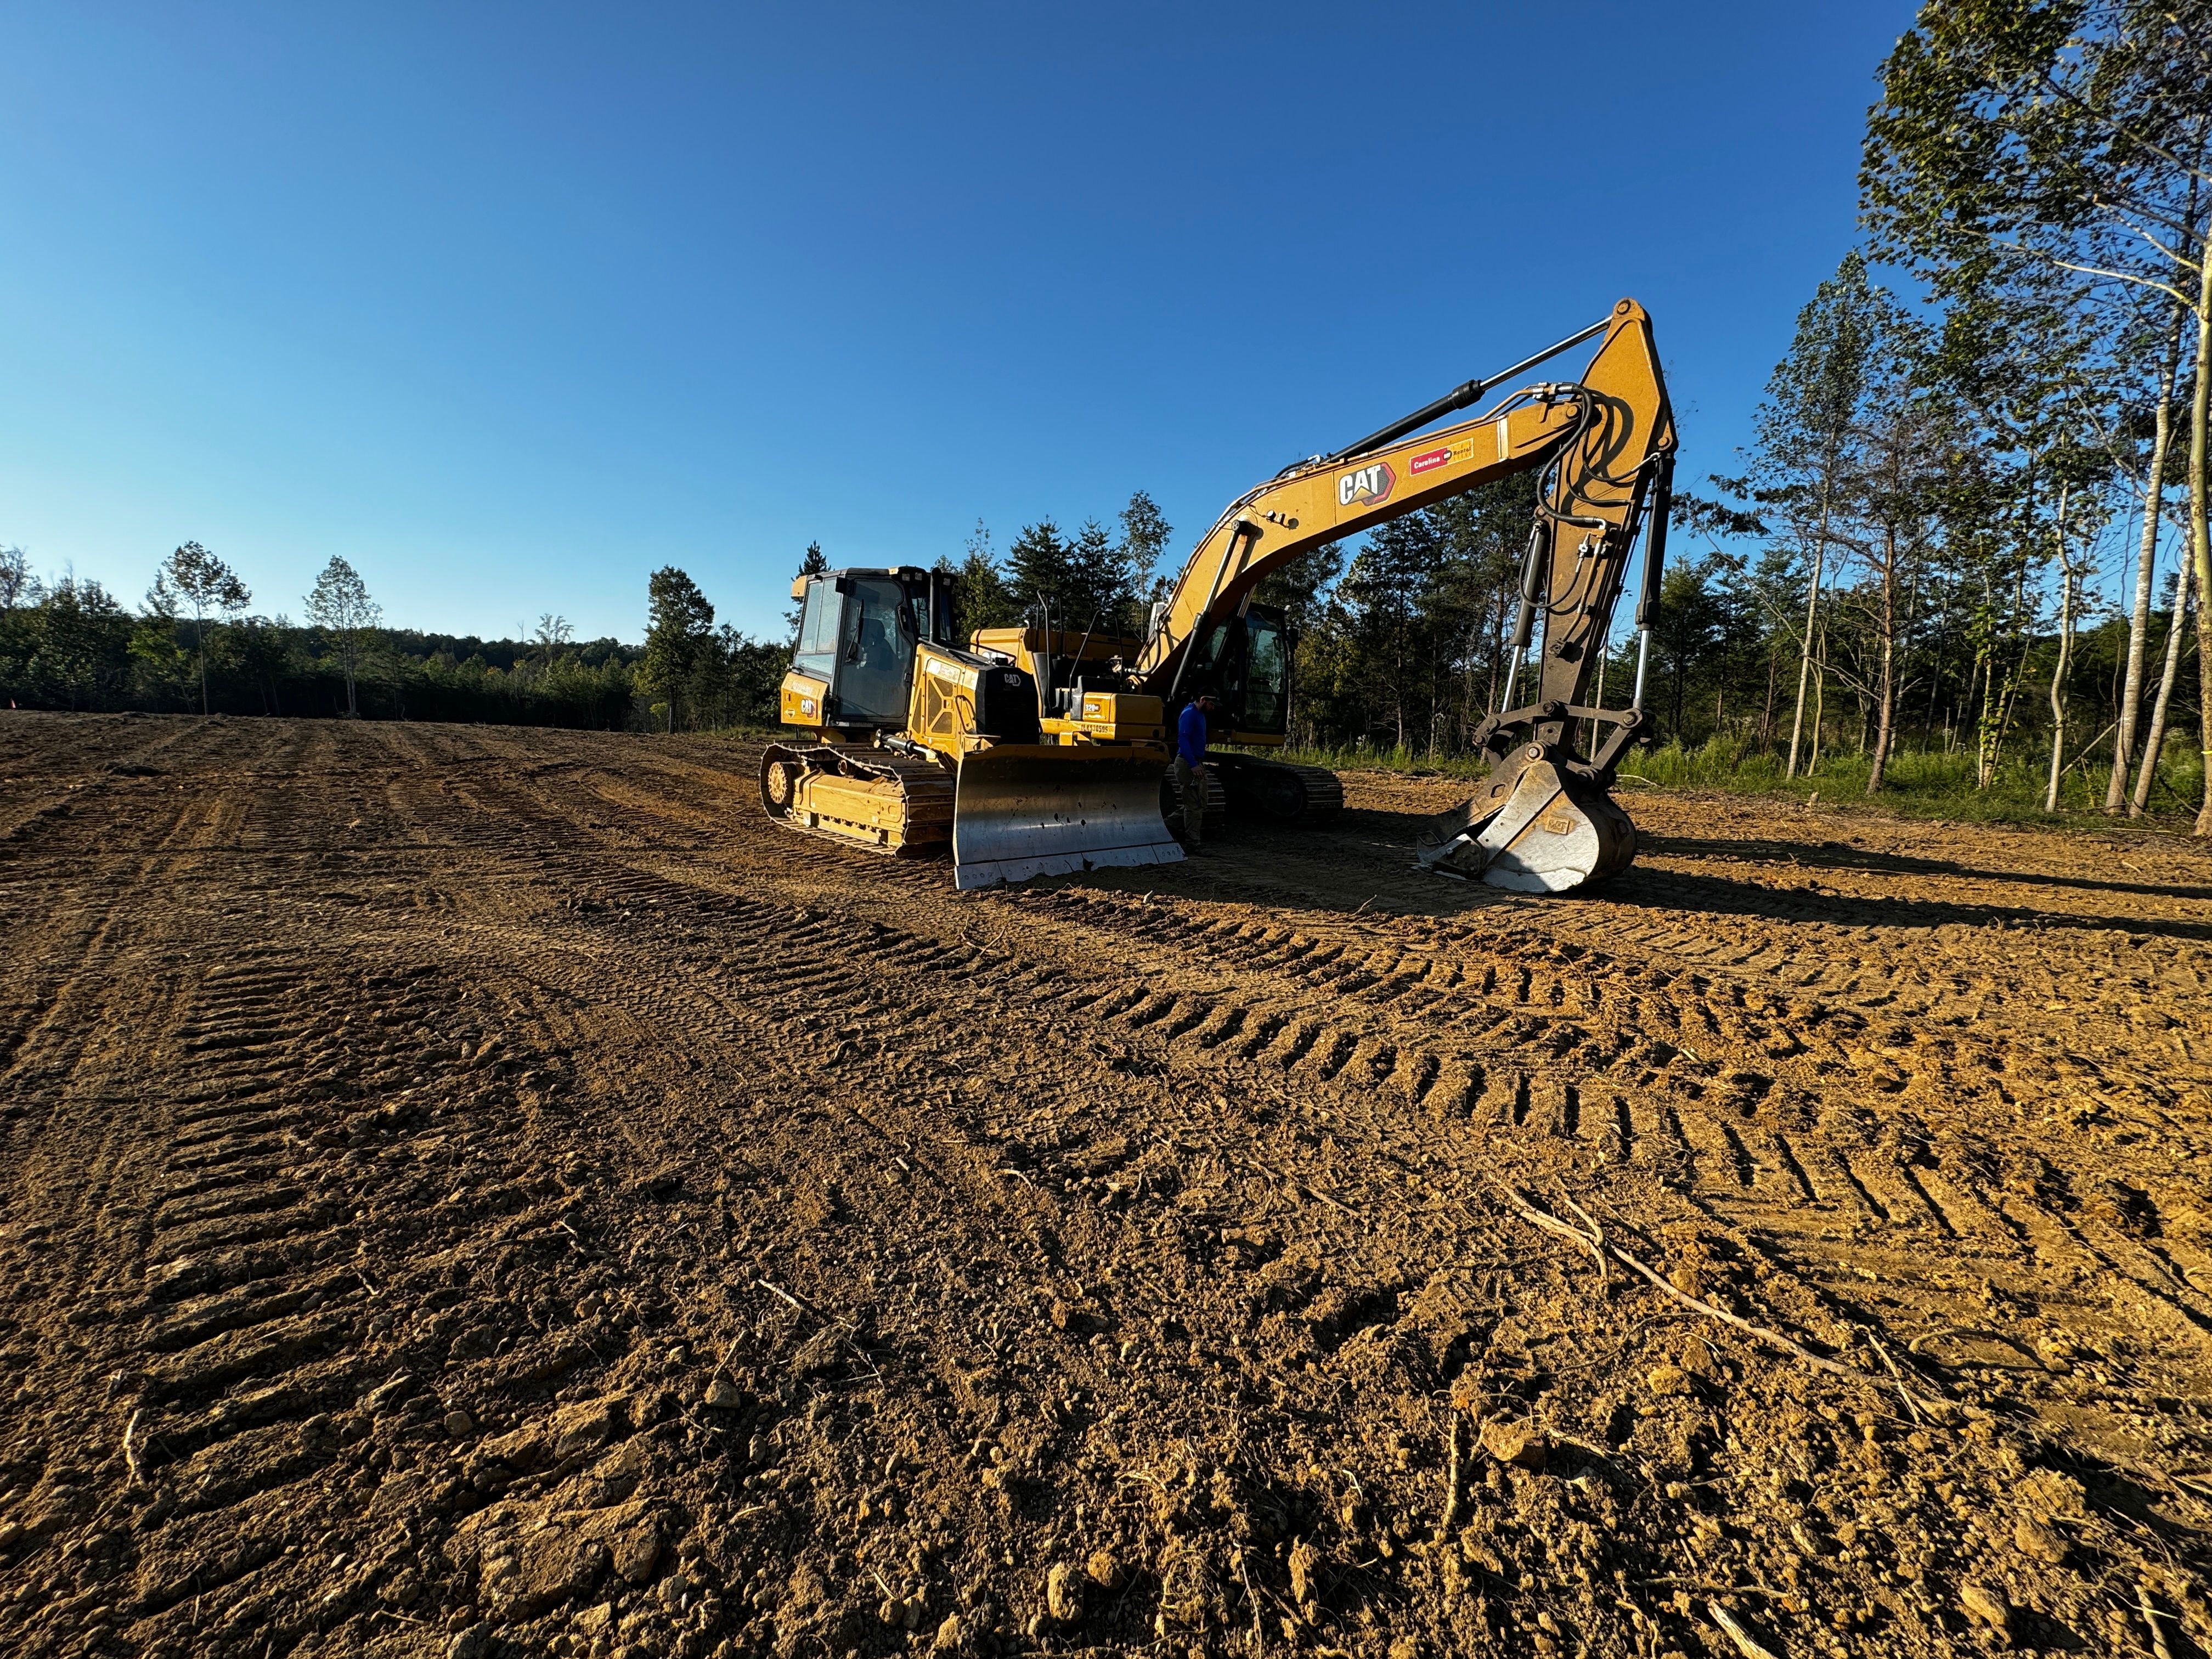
1042, 750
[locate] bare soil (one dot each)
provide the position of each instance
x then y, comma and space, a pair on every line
490, 1192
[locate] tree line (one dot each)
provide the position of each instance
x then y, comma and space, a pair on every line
693, 675
196, 645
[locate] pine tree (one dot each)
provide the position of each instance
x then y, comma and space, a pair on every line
1040, 569
206, 584
678, 640
1098, 591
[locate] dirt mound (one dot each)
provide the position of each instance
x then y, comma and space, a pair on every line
488, 1192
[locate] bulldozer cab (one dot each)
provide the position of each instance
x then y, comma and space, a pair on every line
1245, 661
858, 632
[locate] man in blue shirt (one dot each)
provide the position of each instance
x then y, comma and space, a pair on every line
1190, 768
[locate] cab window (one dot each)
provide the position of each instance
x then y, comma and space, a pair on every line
877, 650
1267, 674
817, 632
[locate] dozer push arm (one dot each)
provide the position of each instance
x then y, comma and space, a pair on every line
1607, 432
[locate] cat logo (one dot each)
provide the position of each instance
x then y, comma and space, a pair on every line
1366, 485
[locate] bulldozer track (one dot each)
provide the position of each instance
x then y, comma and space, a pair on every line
383, 1102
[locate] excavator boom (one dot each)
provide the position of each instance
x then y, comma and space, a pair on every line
1605, 442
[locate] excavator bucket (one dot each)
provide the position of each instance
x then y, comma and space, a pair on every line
1558, 832
1023, 810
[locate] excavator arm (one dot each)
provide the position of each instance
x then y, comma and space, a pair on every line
1606, 443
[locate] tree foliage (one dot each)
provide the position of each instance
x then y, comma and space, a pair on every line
340, 605
2052, 160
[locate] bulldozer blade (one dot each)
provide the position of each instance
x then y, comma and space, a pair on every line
1023, 810
1556, 832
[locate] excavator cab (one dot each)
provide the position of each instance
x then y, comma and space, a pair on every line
853, 673
1244, 661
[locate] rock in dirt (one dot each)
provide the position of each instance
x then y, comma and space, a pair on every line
724, 1394
1523, 1445
398, 1493
1063, 1594
589, 1425
473, 1642
2038, 1540
1986, 1605
459, 1424
949, 1635
638, 1551
1104, 1568
386, 1394
520, 1449
1669, 1381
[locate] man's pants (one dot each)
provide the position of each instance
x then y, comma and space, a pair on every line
1190, 790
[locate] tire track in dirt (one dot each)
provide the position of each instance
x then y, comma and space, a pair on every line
1324, 1048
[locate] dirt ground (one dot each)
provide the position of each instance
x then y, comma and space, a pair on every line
490, 1192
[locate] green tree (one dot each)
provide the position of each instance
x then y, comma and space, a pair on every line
1098, 590
83, 647
979, 594
679, 639
1383, 600
1145, 533
2068, 142
1040, 569
1807, 432
341, 606
207, 586
166, 669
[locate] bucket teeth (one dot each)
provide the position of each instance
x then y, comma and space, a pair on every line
1023, 810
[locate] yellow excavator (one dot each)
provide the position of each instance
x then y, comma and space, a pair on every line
1040, 750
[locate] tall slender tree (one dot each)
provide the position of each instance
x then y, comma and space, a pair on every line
1809, 432
341, 606
208, 587
2176, 638
679, 638
2154, 515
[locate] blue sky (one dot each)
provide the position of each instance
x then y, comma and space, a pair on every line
510, 304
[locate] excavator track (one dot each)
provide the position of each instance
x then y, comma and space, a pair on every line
1277, 790
873, 798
